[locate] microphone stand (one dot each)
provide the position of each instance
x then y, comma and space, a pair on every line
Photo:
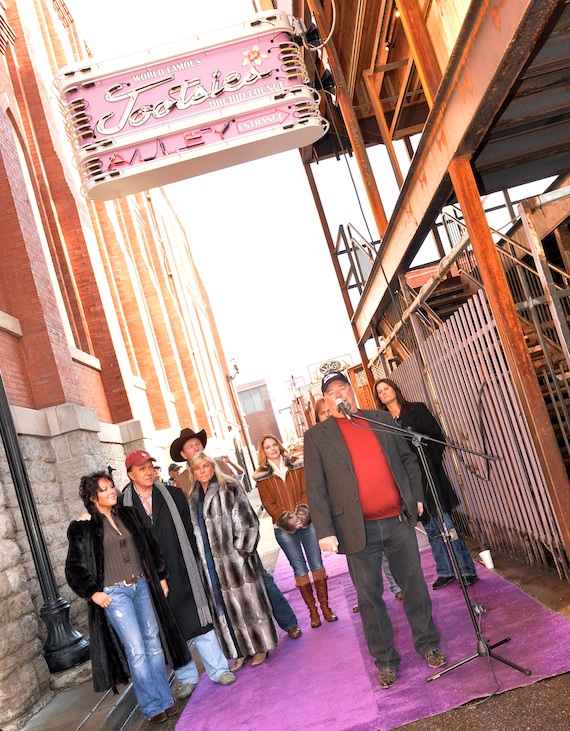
483, 649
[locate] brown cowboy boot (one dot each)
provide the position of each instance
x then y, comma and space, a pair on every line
304, 586
320, 579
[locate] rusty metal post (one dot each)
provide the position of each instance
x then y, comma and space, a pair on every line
351, 122
512, 339
337, 267
421, 46
383, 126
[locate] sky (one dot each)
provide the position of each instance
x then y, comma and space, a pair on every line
253, 228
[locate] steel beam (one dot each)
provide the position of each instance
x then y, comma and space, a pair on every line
496, 40
351, 122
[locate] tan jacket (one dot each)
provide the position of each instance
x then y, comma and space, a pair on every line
280, 496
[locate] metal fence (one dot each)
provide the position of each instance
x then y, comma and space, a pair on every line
461, 372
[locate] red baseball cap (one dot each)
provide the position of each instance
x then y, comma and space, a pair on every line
137, 458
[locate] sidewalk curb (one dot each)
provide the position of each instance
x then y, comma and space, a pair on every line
125, 714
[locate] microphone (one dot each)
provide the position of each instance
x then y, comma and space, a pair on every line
342, 408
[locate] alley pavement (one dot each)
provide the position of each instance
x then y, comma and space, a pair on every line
543, 706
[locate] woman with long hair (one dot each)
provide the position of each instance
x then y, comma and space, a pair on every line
280, 481
419, 418
113, 562
227, 533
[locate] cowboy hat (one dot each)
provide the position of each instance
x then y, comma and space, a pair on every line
179, 443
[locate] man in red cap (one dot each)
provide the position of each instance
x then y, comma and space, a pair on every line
166, 510
186, 446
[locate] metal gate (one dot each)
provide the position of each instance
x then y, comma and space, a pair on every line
460, 371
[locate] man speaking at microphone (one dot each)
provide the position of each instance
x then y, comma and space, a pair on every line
364, 488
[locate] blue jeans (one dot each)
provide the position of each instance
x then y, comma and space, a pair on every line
443, 563
131, 615
397, 540
215, 662
284, 615
293, 545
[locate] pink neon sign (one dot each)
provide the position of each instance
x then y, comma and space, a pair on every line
240, 92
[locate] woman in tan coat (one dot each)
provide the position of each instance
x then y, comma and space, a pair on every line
280, 480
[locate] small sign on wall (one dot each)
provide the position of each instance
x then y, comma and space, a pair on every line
189, 108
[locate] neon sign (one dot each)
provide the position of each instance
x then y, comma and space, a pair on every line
189, 108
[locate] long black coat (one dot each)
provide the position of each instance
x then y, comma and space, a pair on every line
84, 571
180, 597
420, 419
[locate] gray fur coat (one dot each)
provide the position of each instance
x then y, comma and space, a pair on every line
233, 533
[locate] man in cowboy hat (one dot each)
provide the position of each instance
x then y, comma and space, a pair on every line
186, 446
194, 442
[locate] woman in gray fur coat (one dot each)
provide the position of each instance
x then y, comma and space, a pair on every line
227, 533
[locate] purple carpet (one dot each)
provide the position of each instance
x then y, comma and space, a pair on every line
326, 679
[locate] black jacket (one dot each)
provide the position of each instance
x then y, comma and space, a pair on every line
84, 571
420, 419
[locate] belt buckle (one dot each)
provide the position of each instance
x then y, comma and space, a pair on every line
133, 580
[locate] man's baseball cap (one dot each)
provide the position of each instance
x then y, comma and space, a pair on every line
137, 458
330, 377
173, 467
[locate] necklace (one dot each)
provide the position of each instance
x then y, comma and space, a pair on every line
113, 526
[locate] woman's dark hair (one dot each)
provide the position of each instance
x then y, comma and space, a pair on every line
89, 487
403, 403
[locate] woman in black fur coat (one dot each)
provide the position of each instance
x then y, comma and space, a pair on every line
114, 563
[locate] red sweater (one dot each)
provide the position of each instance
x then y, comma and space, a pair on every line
377, 490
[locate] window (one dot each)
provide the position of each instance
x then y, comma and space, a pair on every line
252, 401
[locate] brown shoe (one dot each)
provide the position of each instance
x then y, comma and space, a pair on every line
172, 711
159, 718
306, 589
239, 663
294, 632
435, 658
387, 677
321, 588
259, 658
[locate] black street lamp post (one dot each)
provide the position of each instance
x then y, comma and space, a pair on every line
64, 646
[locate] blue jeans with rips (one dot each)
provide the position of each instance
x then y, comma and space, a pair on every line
131, 615
293, 545
443, 563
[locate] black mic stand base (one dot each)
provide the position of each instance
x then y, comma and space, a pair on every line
483, 650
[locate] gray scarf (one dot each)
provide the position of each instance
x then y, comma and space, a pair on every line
194, 577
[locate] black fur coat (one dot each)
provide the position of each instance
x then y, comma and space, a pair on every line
84, 571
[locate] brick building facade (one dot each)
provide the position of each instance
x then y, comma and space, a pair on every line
107, 340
